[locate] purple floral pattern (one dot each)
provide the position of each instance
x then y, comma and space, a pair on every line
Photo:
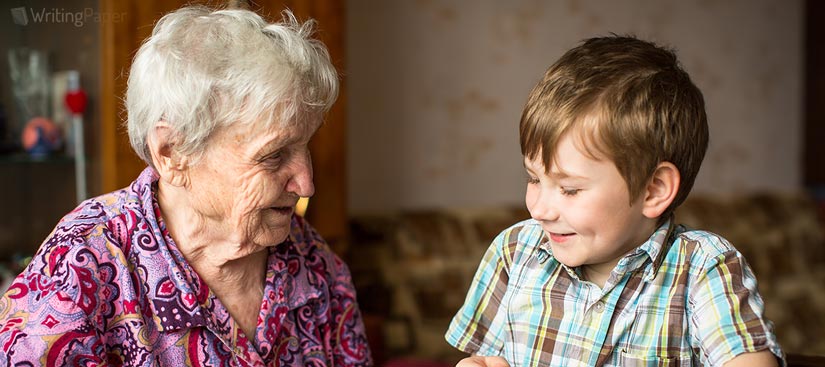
109, 287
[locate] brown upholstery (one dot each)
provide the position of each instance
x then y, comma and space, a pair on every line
412, 269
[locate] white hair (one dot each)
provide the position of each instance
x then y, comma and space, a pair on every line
201, 69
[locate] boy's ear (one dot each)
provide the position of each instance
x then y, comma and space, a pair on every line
171, 165
661, 190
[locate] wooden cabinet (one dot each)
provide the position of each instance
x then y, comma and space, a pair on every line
122, 35
34, 195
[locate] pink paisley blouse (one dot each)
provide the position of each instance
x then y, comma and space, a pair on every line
109, 287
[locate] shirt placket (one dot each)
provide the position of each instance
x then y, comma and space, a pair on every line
591, 322
596, 309
603, 311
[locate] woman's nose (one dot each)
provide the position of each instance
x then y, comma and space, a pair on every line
300, 182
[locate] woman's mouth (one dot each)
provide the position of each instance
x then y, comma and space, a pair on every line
282, 210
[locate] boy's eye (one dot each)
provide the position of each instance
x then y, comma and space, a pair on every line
569, 192
532, 180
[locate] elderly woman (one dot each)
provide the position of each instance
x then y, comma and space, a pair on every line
201, 261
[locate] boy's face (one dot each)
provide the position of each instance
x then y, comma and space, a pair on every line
583, 206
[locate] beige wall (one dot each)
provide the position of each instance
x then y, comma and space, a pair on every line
435, 90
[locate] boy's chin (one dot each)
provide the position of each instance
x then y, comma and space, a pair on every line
567, 259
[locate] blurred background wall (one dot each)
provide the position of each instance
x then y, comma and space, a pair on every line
436, 88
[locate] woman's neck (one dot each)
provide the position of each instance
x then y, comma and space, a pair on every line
225, 263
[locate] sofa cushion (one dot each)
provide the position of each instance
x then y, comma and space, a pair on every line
412, 269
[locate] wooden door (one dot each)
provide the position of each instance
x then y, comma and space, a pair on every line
123, 34
814, 152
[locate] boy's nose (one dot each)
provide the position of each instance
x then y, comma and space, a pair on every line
543, 207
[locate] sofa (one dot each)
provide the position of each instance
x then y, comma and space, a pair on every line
412, 268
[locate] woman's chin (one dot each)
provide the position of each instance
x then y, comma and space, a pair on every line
282, 211
271, 228
273, 234
276, 217
270, 237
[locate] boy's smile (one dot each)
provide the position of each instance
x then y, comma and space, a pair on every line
559, 237
584, 207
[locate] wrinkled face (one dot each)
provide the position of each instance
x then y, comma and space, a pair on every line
250, 177
583, 206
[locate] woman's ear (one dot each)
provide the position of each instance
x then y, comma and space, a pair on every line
661, 190
171, 165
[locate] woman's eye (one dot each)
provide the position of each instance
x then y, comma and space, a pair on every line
272, 158
532, 180
569, 192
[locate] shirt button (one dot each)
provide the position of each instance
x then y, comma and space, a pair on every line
599, 306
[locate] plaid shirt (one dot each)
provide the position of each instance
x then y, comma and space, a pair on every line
689, 301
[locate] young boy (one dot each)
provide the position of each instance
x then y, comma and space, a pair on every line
612, 140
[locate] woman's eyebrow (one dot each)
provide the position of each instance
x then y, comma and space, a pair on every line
270, 147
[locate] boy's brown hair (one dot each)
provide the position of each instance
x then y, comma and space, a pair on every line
629, 101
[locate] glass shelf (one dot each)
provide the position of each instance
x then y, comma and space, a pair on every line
25, 158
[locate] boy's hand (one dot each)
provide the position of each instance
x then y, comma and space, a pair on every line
479, 361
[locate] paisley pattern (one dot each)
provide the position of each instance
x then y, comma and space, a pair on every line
109, 287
